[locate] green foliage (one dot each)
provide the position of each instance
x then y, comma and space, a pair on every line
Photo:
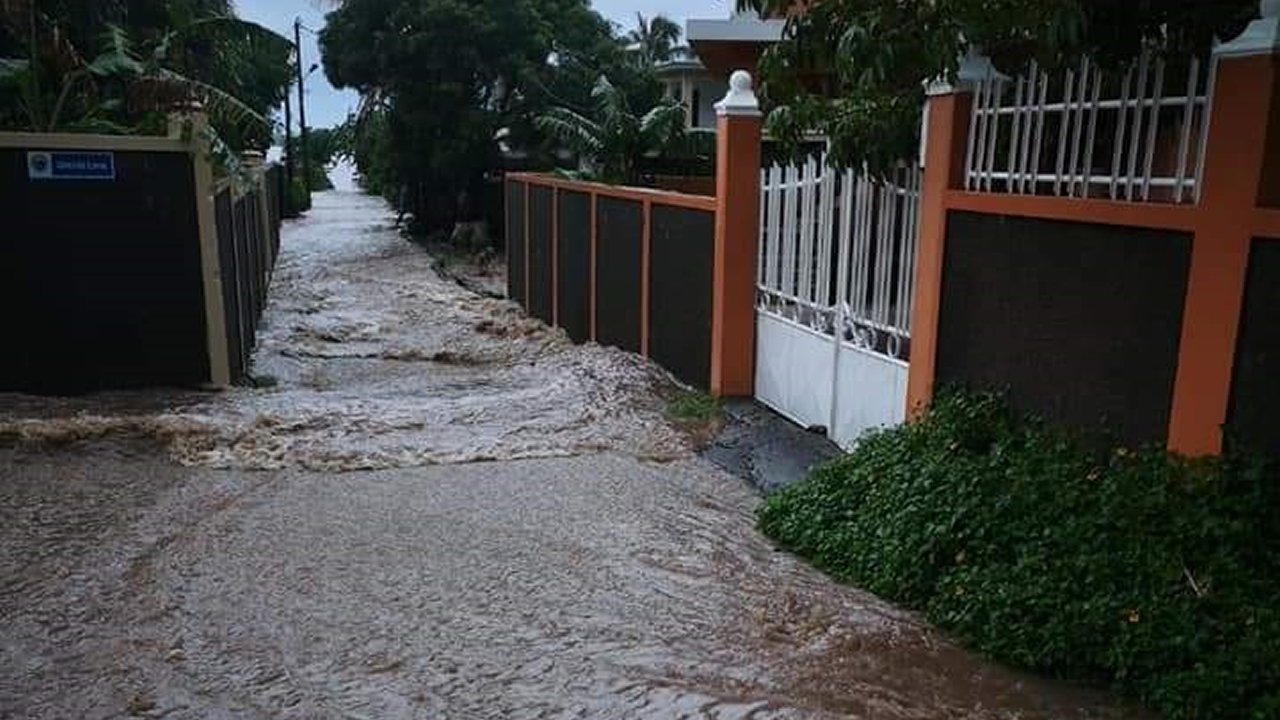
1155, 573
324, 147
615, 139
694, 406
369, 144
118, 66
298, 199
654, 40
434, 106
874, 55
444, 99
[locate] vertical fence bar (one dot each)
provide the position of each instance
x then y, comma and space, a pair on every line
996, 105
1205, 115
1117, 152
862, 245
1093, 131
1077, 127
899, 305
884, 252
1135, 135
774, 260
1011, 176
804, 264
762, 263
1038, 142
845, 240
1063, 128
1027, 130
827, 230
1153, 127
912, 255
1188, 119
976, 135
840, 310
789, 232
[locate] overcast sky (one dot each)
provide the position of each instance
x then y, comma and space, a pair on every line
327, 106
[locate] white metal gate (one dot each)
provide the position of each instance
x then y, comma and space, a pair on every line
835, 287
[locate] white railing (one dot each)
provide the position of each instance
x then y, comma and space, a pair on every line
1094, 134
838, 252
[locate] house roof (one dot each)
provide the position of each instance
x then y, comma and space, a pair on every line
735, 43
683, 62
742, 27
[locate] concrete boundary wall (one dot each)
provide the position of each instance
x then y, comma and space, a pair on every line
123, 264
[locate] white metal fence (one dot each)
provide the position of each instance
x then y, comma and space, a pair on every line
838, 251
1138, 135
835, 288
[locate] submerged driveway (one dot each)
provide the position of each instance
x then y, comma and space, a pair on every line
431, 508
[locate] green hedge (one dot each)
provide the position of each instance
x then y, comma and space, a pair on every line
1158, 575
299, 200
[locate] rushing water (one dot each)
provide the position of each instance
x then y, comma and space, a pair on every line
609, 574
377, 362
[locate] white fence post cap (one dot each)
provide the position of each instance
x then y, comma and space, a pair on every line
741, 99
1262, 37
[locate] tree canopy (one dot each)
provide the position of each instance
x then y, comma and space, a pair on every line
654, 40
440, 79
853, 69
615, 138
117, 65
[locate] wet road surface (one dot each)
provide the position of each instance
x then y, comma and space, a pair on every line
440, 510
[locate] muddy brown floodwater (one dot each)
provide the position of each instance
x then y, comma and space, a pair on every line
439, 510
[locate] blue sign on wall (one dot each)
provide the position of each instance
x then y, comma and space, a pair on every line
71, 166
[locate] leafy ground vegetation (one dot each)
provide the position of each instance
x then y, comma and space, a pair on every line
1156, 574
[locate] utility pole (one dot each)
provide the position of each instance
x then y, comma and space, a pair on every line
302, 108
288, 149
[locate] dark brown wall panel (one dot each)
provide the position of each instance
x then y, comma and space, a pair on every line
515, 241
681, 265
1256, 389
575, 265
237, 343
100, 282
618, 249
540, 225
1079, 323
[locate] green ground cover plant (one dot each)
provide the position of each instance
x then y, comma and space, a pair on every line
1152, 573
694, 406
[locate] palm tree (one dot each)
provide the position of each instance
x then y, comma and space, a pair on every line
654, 40
66, 72
611, 143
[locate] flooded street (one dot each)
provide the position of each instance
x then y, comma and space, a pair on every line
374, 362
430, 507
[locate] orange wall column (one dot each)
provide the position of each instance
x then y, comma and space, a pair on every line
1234, 159
944, 156
733, 307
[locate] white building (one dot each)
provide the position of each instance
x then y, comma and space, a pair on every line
699, 77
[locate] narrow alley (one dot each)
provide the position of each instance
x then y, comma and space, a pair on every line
429, 507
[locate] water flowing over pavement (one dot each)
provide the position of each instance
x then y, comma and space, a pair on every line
332, 547
381, 364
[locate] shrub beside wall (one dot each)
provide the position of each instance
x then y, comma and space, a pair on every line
1158, 575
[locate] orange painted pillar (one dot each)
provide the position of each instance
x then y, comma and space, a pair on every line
733, 314
1233, 169
947, 132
